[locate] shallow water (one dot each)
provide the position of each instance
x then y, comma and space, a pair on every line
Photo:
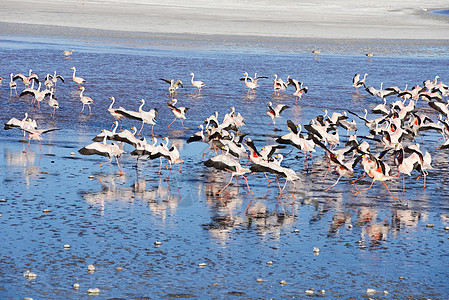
111, 221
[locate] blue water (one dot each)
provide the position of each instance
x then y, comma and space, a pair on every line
111, 221
441, 12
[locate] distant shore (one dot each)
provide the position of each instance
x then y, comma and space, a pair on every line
350, 19
348, 28
78, 38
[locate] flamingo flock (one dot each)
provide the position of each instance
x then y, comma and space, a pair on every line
391, 148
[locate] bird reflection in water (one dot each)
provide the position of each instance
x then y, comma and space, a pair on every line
26, 161
111, 190
162, 201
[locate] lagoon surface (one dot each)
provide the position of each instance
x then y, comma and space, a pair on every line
254, 246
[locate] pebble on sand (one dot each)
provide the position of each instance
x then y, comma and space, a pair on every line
66, 246
309, 292
269, 263
445, 228
91, 177
283, 282
370, 292
158, 243
29, 274
316, 250
259, 280
76, 286
93, 291
202, 265
46, 211
119, 269
27, 298
430, 225
91, 268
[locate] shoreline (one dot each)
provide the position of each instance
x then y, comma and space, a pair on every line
74, 37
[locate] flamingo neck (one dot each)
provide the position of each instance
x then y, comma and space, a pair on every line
141, 105
74, 71
113, 101
115, 128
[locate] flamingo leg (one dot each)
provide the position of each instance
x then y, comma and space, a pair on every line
206, 151
29, 141
182, 123
171, 123
141, 128
269, 181
247, 207
118, 164
180, 167
359, 191
394, 198
282, 190
333, 184
82, 110
358, 178
327, 172
403, 185
232, 176
160, 165
247, 184
305, 162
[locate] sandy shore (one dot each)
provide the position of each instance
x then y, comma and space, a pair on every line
321, 19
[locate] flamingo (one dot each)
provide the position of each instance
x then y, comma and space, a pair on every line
85, 100
35, 134
227, 163
27, 79
357, 82
179, 112
275, 113
251, 85
12, 85
170, 154
67, 53
174, 85
104, 149
196, 83
52, 102
114, 113
77, 80
300, 90
148, 117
